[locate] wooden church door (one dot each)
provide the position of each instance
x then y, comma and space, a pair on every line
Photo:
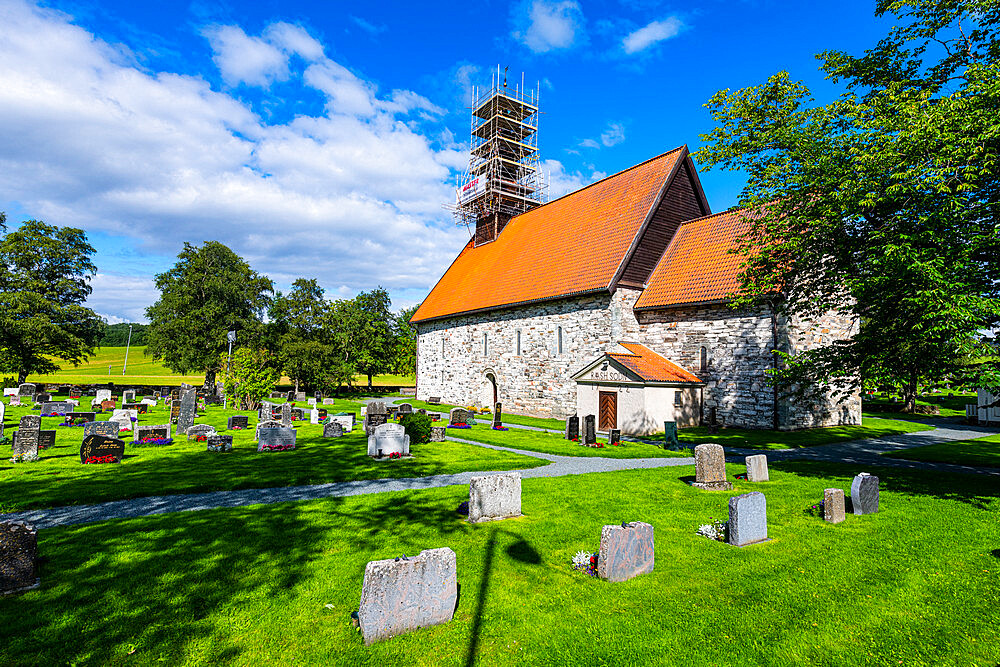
607, 410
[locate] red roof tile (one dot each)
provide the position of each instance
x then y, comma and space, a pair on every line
697, 266
572, 245
650, 366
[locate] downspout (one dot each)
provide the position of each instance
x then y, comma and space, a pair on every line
775, 421
416, 363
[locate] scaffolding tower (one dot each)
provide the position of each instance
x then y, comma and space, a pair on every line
503, 178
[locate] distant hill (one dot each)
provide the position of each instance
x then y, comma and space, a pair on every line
116, 335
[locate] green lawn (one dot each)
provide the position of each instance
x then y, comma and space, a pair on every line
143, 370
541, 422
59, 478
276, 584
953, 406
981, 452
871, 427
552, 443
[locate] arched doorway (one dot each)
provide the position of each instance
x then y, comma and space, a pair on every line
490, 394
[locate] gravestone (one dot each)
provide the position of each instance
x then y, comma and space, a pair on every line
237, 422
107, 429
200, 430
30, 422
26, 389
329, 401
333, 430
346, 421
99, 445
573, 428
626, 551
128, 396
710, 468
103, 395
747, 519
85, 416
434, 400
124, 423
281, 436
149, 403
3, 412
25, 441
833, 505
159, 432
286, 415
185, 417
219, 443
458, 416
107, 405
130, 414
18, 557
864, 494
156, 395
46, 438
403, 594
277, 394
498, 415
387, 439
299, 396
322, 414
15, 399
670, 439
267, 423
139, 408
614, 436
314, 416
311, 401
438, 433
590, 430
43, 398
405, 409
493, 497
298, 414
757, 468
375, 416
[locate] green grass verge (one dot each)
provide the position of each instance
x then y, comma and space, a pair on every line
980, 452
276, 584
524, 420
950, 406
552, 443
59, 478
871, 427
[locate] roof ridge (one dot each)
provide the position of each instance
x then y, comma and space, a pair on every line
606, 178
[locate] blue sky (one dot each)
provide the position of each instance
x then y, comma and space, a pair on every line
321, 140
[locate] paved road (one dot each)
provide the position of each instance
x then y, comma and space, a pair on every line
859, 452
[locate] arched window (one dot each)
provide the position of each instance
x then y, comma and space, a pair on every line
486, 345
559, 341
704, 358
518, 349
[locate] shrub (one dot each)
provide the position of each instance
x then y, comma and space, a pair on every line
417, 426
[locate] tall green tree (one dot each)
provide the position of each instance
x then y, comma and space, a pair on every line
883, 204
210, 290
45, 276
365, 336
251, 377
300, 331
404, 358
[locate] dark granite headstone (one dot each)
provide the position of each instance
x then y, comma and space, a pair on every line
43, 398
219, 443
99, 445
498, 415
572, 428
614, 436
670, 440
434, 400
626, 551
107, 429
589, 430
864, 494
458, 416
144, 431
56, 407
333, 430
185, 418
175, 411
18, 557
26, 389
128, 396
238, 422
275, 437
85, 416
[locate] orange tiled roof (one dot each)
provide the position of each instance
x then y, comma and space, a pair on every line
572, 245
697, 266
650, 366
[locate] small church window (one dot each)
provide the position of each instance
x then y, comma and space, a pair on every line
704, 358
677, 398
559, 336
518, 352
442, 345
486, 345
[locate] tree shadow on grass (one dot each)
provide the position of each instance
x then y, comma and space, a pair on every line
976, 490
155, 586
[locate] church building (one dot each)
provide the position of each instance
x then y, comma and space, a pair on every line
611, 301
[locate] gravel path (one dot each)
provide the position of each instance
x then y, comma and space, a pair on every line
859, 452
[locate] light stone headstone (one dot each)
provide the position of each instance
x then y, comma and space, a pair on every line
286, 415
329, 401
103, 395
402, 594
333, 429
833, 505
121, 412
185, 418
626, 551
109, 429
15, 399
493, 497
757, 468
267, 423
346, 421
710, 468
199, 430
276, 437
572, 428
314, 416
18, 557
864, 494
747, 519
311, 401
124, 423
128, 396
388, 439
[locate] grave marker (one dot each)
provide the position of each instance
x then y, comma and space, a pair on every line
286, 414
280, 437
626, 551
710, 468
186, 414
26, 389
199, 430
757, 468
219, 443
144, 431
747, 519
458, 416
403, 594
333, 430
833, 505
614, 436
99, 445
498, 415
345, 421
864, 494
493, 497
26, 438
387, 439
573, 428
590, 430
237, 422
108, 429
103, 395
18, 557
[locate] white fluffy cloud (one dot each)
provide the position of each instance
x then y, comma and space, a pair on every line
562, 182
651, 34
612, 135
351, 197
548, 25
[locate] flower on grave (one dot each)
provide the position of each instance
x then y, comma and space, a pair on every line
395, 455
715, 530
586, 562
101, 459
150, 440
24, 458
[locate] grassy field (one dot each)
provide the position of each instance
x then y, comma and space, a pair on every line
541, 422
276, 584
981, 452
552, 443
871, 427
59, 478
144, 370
950, 406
